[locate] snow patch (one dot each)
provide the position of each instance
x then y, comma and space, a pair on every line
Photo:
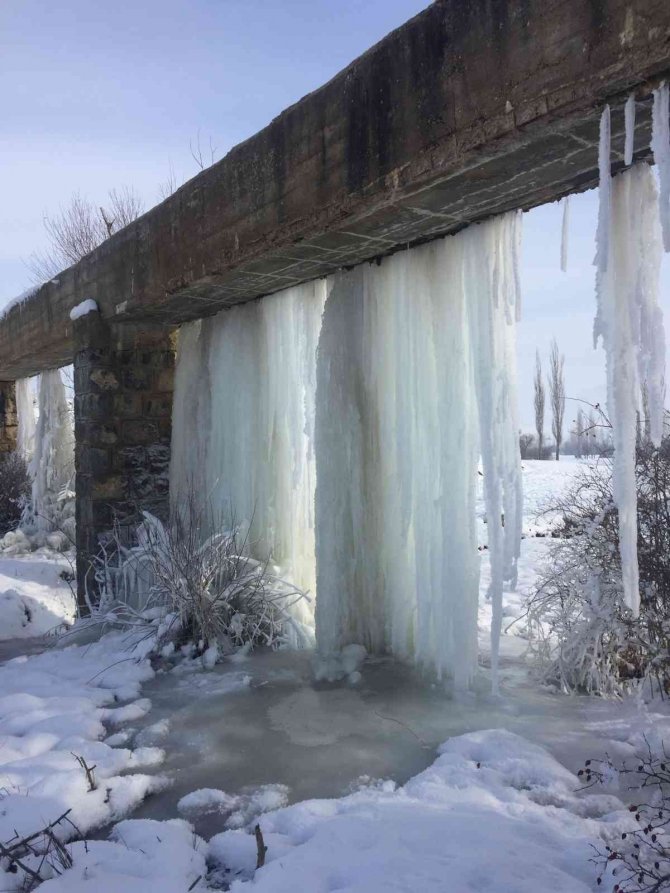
83, 309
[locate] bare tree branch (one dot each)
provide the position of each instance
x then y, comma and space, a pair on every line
78, 228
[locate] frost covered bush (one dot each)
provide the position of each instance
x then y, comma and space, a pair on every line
582, 633
196, 586
14, 490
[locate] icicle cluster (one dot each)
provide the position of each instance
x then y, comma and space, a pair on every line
630, 323
53, 460
414, 370
565, 232
25, 411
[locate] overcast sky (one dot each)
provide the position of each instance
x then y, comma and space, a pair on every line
98, 95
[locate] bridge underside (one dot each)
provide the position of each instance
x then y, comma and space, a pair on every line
468, 110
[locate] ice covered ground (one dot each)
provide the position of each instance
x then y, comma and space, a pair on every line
388, 785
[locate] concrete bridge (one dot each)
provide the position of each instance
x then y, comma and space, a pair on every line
468, 110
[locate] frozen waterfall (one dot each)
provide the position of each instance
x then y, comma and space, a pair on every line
341, 420
243, 426
53, 460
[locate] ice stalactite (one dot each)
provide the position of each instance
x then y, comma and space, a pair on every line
242, 426
565, 233
493, 297
25, 410
416, 357
629, 119
660, 145
53, 460
630, 323
604, 219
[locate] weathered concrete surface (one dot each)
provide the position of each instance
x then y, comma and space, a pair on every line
123, 382
8, 417
470, 109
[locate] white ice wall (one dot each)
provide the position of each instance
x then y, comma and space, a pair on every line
25, 411
416, 356
52, 466
356, 463
242, 425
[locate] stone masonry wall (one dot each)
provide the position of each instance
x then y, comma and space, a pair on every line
8, 417
123, 379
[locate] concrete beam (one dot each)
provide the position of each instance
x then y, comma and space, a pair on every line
468, 110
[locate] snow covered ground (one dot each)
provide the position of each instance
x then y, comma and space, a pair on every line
388, 785
35, 596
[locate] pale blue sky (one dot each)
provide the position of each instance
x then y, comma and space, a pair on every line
97, 95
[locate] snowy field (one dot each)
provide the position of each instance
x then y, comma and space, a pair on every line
387, 785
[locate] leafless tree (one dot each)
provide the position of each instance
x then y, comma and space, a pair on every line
79, 227
580, 426
556, 394
526, 445
539, 404
169, 185
201, 157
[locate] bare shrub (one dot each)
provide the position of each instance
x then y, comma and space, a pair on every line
639, 861
14, 490
39, 856
583, 635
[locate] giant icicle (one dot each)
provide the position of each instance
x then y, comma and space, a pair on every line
25, 411
493, 296
53, 460
242, 426
630, 323
660, 145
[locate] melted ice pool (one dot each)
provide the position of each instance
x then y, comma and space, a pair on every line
265, 722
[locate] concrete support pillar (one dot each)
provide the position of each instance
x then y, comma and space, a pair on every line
8, 417
123, 381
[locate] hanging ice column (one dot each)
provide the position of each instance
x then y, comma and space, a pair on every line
416, 356
493, 296
25, 411
53, 461
630, 323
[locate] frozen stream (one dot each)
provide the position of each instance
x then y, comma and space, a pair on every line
266, 722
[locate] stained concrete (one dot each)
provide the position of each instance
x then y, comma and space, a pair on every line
8, 417
123, 382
